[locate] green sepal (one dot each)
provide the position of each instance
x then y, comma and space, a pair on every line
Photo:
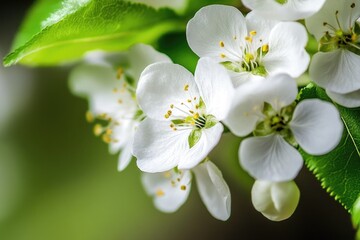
194, 137
210, 121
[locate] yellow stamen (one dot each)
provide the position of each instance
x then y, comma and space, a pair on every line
183, 187
252, 33
222, 55
119, 73
186, 87
222, 44
89, 117
98, 130
160, 193
265, 48
109, 131
249, 39
106, 138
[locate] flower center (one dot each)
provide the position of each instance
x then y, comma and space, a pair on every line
250, 59
189, 114
336, 37
127, 110
282, 2
276, 122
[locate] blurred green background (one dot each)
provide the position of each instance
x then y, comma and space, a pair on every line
58, 182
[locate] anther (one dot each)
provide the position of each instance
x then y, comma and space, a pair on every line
252, 33
186, 87
222, 44
183, 187
98, 130
160, 193
222, 55
119, 73
265, 48
352, 5
89, 117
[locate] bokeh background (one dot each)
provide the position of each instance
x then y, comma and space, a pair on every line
58, 182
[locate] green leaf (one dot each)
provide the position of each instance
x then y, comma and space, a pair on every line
338, 170
194, 137
110, 25
32, 24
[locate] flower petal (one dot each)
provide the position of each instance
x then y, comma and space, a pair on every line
240, 78
142, 55
337, 71
349, 100
317, 126
99, 84
346, 17
209, 139
270, 158
157, 147
213, 190
217, 30
279, 90
125, 156
162, 85
168, 192
289, 11
215, 87
246, 109
276, 201
287, 52
262, 26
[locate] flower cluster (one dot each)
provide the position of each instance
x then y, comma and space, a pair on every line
170, 120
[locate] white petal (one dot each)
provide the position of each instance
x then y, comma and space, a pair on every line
209, 139
346, 16
262, 26
276, 201
279, 90
317, 126
168, 192
292, 10
287, 52
214, 24
125, 156
240, 78
161, 85
213, 190
140, 56
270, 158
337, 71
122, 134
246, 109
215, 87
349, 100
157, 147
98, 83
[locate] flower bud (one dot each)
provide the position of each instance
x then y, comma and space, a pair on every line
277, 201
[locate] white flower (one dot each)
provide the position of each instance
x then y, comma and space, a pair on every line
276, 201
251, 47
110, 92
287, 10
183, 114
171, 189
266, 109
335, 67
